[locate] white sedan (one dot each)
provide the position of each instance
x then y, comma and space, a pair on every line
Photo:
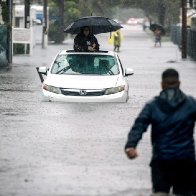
86, 77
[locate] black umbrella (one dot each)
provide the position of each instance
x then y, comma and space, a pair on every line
153, 28
98, 24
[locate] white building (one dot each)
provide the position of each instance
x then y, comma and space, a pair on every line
36, 20
19, 16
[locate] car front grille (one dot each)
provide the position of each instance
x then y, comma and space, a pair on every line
82, 92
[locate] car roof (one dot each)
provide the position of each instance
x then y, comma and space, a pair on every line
101, 52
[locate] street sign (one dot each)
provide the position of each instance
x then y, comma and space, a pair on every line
21, 35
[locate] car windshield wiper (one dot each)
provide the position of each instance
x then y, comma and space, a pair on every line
109, 70
64, 69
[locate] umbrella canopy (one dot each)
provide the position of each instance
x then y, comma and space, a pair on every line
153, 27
98, 24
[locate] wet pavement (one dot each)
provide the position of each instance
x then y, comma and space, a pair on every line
76, 149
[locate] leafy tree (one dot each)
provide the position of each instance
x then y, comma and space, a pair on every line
61, 13
86, 7
72, 11
5, 14
164, 12
98, 7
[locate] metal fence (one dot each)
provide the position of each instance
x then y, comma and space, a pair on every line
191, 49
176, 35
191, 39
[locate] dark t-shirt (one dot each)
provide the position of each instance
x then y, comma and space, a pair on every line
81, 42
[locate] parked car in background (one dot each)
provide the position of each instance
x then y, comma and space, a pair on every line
86, 77
132, 21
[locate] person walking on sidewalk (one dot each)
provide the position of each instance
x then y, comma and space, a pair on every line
172, 116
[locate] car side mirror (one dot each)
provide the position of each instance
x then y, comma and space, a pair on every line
40, 71
129, 72
43, 70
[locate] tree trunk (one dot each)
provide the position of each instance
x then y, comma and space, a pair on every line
61, 35
161, 12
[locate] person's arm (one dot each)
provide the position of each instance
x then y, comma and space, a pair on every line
192, 102
95, 43
140, 126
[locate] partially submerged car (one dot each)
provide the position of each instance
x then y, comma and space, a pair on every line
86, 77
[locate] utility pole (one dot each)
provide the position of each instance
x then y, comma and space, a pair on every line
27, 24
27, 14
61, 7
45, 24
184, 29
9, 34
62, 16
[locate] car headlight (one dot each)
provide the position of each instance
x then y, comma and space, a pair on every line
114, 90
52, 89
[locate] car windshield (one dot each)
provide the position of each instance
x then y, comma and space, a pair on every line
76, 64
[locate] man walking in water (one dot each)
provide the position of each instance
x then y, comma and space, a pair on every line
172, 116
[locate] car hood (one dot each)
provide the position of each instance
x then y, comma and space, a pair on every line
83, 81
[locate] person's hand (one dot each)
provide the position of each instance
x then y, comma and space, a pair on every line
131, 153
94, 45
90, 48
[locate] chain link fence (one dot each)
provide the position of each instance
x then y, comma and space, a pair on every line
191, 39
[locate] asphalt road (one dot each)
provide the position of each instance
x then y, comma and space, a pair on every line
76, 149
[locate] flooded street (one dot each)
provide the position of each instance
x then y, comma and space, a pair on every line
77, 149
